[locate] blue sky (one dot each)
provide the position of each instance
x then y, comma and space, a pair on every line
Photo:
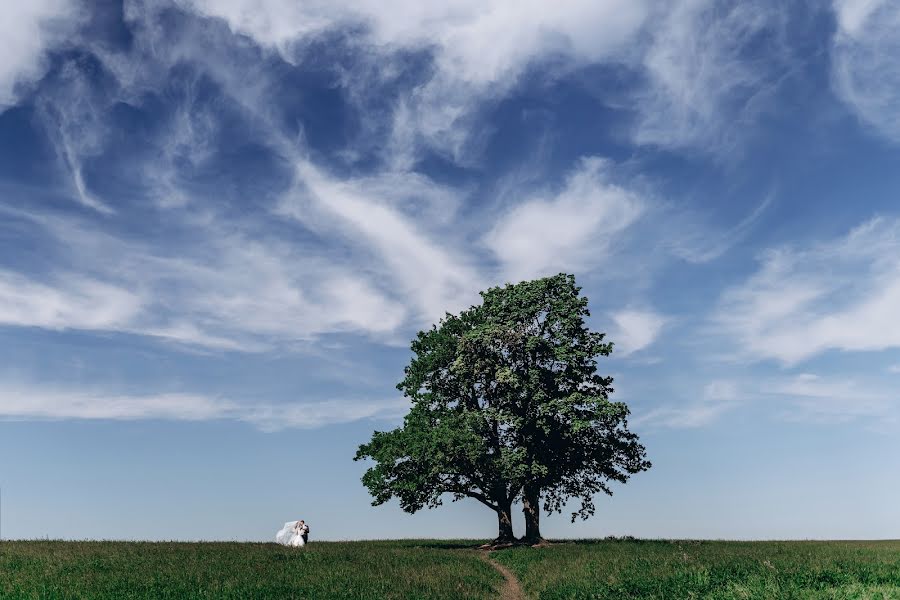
222, 222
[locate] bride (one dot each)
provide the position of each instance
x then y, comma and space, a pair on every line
293, 534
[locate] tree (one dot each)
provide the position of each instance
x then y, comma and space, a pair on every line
449, 442
507, 404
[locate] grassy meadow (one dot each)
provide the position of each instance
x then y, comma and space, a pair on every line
443, 569
708, 570
242, 571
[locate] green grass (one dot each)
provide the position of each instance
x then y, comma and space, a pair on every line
708, 570
351, 570
381, 570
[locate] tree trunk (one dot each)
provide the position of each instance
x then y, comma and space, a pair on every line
531, 508
504, 525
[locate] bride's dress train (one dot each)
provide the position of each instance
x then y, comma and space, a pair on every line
289, 535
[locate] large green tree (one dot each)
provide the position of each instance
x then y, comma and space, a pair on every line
507, 405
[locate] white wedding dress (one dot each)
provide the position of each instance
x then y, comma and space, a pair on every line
290, 535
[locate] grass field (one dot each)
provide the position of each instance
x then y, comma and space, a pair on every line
713, 570
351, 570
442, 569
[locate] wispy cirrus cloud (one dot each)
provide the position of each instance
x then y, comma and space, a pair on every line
573, 229
28, 401
69, 302
835, 399
473, 41
717, 398
635, 330
30, 30
704, 86
696, 81
806, 398
865, 72
223, 289
366, 252
192, 249
428, 267
73, 113
701, 243
839, 294
478, 51
692, 57
370, 255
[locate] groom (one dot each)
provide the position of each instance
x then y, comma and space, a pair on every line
304, 531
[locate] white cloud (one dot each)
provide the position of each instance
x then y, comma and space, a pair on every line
29, 402
721, 390
693, 86
833, 399
635, 330
894, 368
429, 271
837, 295
717, 398
383, 252
853, 14
703, 88
224, 289
866, 62
28, 30
810, 385
387, 251
573, 230
475, 41
698, 243
689, 52
75, 121
365, 253
70, 302
804, 398
479, 49
273, 417
683, 417
386, 256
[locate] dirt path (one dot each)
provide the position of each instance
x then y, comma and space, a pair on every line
512, 589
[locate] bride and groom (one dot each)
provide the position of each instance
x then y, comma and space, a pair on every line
294, 533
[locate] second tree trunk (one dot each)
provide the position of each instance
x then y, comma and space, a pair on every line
531, 508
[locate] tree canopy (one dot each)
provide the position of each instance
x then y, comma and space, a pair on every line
507, 405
